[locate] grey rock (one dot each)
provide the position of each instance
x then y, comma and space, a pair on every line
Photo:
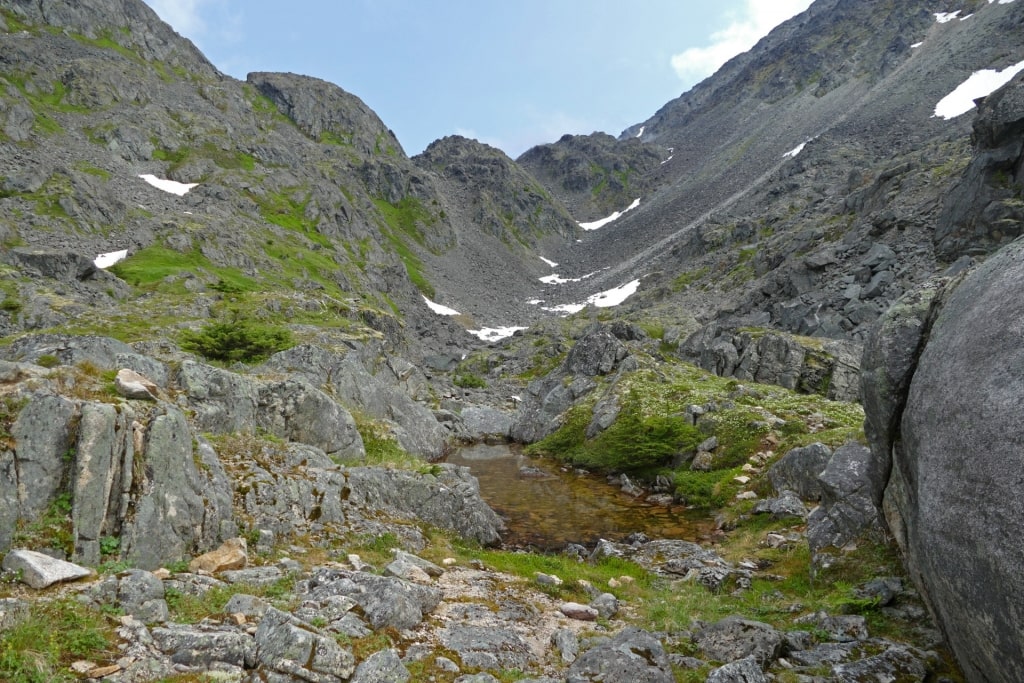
293, 409
249, 605
787, 506
383, 666
484, 422
103, 449
596, 353
632, 656
823, 655
102, 352
181, 506
197, 647
42, 437
746, 670
450, 500
798, 471
289, 647
575, 610
896, 663
965, 398
40, 571
567, 644
606, 604
385, 601
383, 395
976, 216
140, 593
734, 638
847, 509
477, 678
253, 576
890, 359
492, 648
223, 402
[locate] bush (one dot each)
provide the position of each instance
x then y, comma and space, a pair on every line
236, 340
469, 381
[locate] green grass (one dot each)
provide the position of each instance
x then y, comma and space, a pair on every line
56, 632
228, 159
650, 433
148, 269
86, 167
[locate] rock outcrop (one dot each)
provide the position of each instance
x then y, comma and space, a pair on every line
951, 496
163, 481
984, 209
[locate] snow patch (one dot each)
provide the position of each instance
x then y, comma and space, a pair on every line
641, 131
171, 186
979, 84
796, 150
550, 263
667, 160
917, 45
555, 279
438, 308
943, 17
110, 258
608, 219
490, 334
605, 299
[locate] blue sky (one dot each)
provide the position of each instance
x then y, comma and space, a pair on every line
512, 74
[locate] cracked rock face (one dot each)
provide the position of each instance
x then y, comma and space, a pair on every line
961, 502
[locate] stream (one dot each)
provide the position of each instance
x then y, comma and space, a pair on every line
558, 506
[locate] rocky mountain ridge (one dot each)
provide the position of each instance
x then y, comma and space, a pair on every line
794, 207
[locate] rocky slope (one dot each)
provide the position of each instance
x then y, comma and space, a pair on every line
267, 334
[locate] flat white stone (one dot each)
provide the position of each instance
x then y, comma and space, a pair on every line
40, 571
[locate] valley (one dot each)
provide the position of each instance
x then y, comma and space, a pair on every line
738, 390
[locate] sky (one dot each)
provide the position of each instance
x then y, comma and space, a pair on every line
509, 73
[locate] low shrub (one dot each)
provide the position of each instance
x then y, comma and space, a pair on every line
236, 341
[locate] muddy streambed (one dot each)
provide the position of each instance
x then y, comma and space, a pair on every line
553, 507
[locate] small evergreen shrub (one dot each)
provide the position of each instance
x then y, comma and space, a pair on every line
236, 341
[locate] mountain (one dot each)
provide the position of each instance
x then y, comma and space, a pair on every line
693, 308
798, 158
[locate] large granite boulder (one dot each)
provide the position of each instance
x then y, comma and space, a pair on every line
952, 498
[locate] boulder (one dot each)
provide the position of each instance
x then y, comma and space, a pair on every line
745, 670
41, 571
953, 496
494, 647
632, 656
191, 646
847, 507
286, 645
131, 384
232, 554
798, 471
734, 638
383, 666
484, 422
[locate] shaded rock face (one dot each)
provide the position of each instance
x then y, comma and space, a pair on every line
597, 352
984, 210
325, 112
826, 367
594, 174
952, 497
503, 200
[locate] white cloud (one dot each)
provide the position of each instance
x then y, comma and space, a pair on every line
183, 15
758, 17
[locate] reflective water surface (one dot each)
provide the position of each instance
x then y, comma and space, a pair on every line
550, 507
